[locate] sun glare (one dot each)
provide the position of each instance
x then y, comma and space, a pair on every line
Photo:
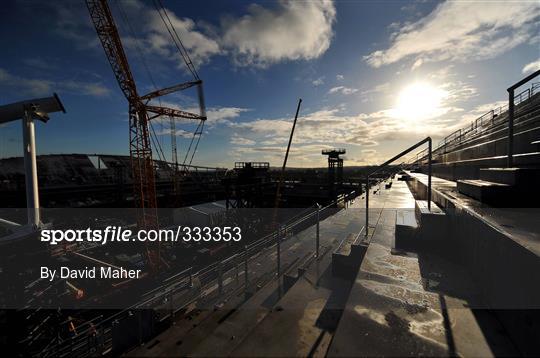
419, 101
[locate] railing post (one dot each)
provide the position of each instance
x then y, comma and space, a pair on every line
171, 306
429, 174
236, 265
246, 269
367, 205
317, 237
510, 158
278, 247
220, 278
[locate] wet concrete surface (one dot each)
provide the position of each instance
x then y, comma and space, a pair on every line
399, 304
412, 305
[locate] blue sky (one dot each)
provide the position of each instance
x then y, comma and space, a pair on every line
374, 76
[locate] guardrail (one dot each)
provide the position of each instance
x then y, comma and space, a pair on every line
511, 104
488, 120
185, 287
405, 152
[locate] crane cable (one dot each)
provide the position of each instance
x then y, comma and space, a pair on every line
141, 56
189, 64
176, 38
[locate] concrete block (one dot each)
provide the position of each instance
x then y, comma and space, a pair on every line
348, 256
509, 176
406, 229
433, 223
486, 192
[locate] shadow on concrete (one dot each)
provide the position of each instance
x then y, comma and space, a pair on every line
448, 279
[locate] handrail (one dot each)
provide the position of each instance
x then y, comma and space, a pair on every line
406, 151
489, 118
511, 102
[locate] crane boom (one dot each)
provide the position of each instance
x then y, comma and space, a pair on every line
101, 16
140, 148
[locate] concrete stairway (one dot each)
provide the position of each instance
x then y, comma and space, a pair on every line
420, 229
503, 187
346, 259
414, 304
406, 230
488, 147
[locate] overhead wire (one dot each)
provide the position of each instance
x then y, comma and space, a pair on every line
142, 58
176, 38
189, 64
162, 12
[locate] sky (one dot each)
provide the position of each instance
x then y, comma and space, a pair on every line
374, 76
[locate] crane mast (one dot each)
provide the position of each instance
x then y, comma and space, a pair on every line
140, 148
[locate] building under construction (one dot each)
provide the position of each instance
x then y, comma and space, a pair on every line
434, 252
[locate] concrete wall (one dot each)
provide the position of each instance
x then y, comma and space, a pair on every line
507, 273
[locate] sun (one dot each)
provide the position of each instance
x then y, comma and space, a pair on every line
419, 101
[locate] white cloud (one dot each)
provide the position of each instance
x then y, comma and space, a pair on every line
41, 87
294, 30
319, 81
531, 67
290, 30
199, 46
151, 35
340, 77
215, 115
235, 139
461, 31
343, 90
221, 114
179, 133
380, 88
365, 135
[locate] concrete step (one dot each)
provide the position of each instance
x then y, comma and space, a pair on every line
434, 232
405, 230
302, 322
346, 259
404, 177
422, 209
399, 307
496, 194
510, 176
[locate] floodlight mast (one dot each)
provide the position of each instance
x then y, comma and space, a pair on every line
29, 110
30, 168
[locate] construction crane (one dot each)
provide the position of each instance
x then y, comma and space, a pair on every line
140, 115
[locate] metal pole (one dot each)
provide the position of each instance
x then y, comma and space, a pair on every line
30, 167
317, 242
171, 303
236, 265
282, 174
510, 159
278, 246
220, 278
429, 175
367, 205
245, 269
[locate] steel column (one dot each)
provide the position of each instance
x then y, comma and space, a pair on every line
30, 167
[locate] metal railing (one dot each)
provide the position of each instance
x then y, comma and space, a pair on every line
187, 286
490, 119
511, 104
393, 159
